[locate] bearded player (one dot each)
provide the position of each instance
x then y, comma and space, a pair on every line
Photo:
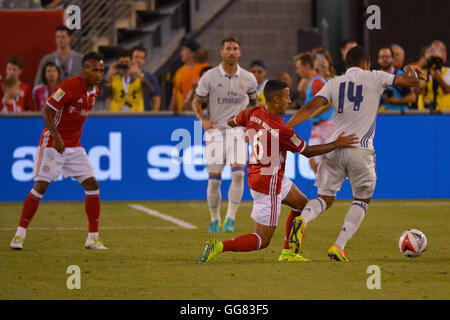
60, 150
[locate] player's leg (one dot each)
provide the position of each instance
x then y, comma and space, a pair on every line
297, 201
235, 193
80, 167
29, 208
214, 197
362, 176
47, 167
265, 213
236, 156
329, 178
215, 162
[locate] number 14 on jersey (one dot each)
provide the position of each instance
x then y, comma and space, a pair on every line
352, 96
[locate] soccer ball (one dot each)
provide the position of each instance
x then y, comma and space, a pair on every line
412, 243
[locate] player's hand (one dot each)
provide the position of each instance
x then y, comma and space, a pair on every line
58, 144
208, 124
414, 71
346, 141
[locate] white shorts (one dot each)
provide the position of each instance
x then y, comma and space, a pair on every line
320, 133
356, 164
266, 208
73, 162
225, 146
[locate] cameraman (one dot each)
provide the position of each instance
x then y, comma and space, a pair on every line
435, 91
126, 85
393, 98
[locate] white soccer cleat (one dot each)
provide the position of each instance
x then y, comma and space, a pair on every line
17, 243
94, 244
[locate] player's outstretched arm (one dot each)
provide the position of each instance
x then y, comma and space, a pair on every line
411, 77
307, 111
58, 142
341, 142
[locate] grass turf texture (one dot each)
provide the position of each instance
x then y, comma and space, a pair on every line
150, 258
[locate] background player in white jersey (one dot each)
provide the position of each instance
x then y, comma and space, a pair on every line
355, 98
227, 89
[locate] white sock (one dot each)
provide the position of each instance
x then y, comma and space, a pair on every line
21, 232
93, 235
214, 196
313, 209
235, 192
352, 221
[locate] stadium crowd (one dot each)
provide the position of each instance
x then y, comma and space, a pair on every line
128, 88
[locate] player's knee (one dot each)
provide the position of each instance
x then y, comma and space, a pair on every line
90, 184
41, 186
329, 200
237, 176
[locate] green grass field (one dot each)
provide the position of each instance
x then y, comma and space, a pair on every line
151, 258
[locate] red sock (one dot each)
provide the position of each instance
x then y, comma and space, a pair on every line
92, 207
294, 213
30, 207
247, 242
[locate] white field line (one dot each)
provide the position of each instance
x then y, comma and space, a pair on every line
160, 215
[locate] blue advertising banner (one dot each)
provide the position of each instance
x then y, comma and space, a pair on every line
134, 159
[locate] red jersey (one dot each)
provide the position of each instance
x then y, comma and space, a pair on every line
10, 107
270, 139
23, 99
71, 102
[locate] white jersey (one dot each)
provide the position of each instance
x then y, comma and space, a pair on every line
356, 98
227, 96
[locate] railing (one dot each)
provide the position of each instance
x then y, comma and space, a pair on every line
98, 22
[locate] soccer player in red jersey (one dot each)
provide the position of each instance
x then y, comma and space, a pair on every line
60, 150
270, 139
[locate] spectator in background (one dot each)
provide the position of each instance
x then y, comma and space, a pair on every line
395, 98
286, 78
14, 68
19, 4
399, 56
186, 76
421, 60
125, 85
67, 60
323, 63
190, 99
258, 68
435, 91
346, 45
11, 88
441, 45
152, 99
322, 124
50, 78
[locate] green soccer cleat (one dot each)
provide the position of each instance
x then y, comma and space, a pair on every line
212, 248
94, 244
289, 256
296, 235
336, 254
17, 243
214, 226
228, 225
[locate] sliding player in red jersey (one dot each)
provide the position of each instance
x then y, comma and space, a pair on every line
60, 150
270, 139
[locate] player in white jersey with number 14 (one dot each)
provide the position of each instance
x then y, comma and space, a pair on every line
355, 98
